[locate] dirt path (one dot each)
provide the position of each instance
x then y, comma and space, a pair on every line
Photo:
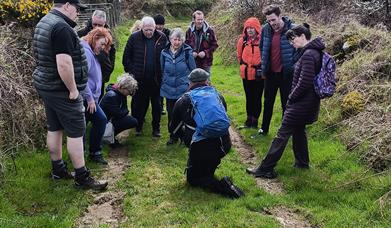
287, 217
249, 158
107, 206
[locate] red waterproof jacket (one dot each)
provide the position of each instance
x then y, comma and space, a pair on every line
248, 52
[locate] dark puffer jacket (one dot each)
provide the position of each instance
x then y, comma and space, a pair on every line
134, 58
107, 61
46, 77
287, 50
114, 103
303, 103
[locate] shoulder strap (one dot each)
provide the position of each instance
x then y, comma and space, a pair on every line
187, 59
244, 42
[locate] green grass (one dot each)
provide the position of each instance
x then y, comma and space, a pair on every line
157, 193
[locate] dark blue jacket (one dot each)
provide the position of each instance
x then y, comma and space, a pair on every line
114, 104
287, 50
175, 70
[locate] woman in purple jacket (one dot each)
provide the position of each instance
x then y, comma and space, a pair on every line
96, 40
302, 107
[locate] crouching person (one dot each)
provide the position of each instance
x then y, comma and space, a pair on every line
114, 104
206, 147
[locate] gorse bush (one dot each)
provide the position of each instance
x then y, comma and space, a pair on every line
24, 11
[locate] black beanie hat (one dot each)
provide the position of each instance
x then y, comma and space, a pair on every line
159, 19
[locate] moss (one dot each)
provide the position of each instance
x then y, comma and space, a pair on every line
352, 103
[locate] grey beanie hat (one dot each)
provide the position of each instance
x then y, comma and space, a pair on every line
198, 75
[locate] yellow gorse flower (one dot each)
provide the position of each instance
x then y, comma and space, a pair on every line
24, 10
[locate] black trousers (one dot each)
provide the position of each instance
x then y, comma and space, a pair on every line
299, 144
253, 90
274, 82
123, 124
204, 157
140, 104
170, 107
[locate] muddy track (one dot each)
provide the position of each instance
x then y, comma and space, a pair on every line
286, 216
249, 158
107, 207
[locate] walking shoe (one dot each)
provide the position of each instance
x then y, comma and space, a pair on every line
163, 112
98, 159
85, 181
171, 141
156, 134
62, 173
298, 166
229, 189
257, 172
115, 145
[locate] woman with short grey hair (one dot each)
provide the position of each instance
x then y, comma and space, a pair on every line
114, 104
178, 33
177, 62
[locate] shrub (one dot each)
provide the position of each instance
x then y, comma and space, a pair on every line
28, 12
352, 103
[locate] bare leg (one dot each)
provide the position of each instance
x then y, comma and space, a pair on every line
76, 151
54, 142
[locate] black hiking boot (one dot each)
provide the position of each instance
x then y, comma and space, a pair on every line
156, 134
85, 181
172, 141
61, 173
229, 189
98, 159
257, 172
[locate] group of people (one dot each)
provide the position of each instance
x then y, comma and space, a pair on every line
72, 69
280, 56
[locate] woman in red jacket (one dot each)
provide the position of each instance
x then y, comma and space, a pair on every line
249, 57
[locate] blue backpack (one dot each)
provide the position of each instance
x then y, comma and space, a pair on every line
209, 113
324, 81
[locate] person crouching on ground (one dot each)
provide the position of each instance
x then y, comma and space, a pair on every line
95, 41
205, 153
114, 104
177, 62
302, 107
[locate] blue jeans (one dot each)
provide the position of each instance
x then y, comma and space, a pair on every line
124, 123
99, 121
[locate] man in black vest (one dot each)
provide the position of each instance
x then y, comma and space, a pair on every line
60, 74
142, 59
107, 61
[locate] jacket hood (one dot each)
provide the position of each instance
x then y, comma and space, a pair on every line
205, 26
252, 22
316, 43
287, 22
111, 86
86, 46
